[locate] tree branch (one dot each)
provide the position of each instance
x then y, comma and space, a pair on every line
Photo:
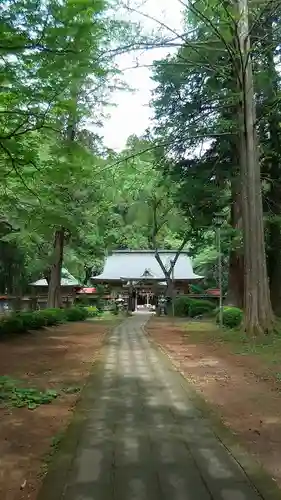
15, 168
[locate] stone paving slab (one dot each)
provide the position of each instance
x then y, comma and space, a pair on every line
144, 439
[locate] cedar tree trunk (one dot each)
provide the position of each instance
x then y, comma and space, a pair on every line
235, 293
258, 311
54, 289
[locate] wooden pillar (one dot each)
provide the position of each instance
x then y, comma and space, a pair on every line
130, 300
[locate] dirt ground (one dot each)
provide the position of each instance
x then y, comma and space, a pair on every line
244, 388
55, 358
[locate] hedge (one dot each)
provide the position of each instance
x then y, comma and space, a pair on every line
187, 306
52, 316
76, 314
182, 306
198, 307
231, 316
24, 321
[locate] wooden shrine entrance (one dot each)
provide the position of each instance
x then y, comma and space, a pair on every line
143, 294
136, 278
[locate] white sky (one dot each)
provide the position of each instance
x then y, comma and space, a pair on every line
132, 114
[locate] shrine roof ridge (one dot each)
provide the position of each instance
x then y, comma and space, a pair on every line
149, 251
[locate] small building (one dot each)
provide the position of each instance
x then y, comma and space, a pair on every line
87, 296
92, 296
137, 276
69, 288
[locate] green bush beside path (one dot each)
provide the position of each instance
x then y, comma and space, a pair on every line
23, 322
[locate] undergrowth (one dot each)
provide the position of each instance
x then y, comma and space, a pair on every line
23, 322
13, 394
267, 348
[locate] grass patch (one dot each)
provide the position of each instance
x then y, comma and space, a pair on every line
55, 444
13, 394
267, 348
107, 316
71, 390
57, 439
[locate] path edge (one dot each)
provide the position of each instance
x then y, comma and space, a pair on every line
56, 479
258, 477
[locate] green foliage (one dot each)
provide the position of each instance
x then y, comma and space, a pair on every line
92, 311
57, 70
47, 51
231, 317
31, 320
193, 104
197, 105
187, 306
26, 321
11, 393
140, 200
199, 307
182, 306
191, 113
53, 316
206, 261
75, 314
12, 325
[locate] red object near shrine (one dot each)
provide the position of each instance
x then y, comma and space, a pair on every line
215, 292
88, 290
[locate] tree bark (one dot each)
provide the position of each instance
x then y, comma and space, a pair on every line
88, 273
258, 311
17, 304
273, 226
274, 267
130, 298
54, 289
272, 162
61, 234
235, 293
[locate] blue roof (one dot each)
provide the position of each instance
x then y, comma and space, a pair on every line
142, 265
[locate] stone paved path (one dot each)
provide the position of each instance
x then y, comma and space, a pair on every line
144, 439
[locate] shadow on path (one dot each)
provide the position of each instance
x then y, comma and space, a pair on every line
143, 438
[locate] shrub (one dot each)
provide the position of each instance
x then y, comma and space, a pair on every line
231, 317
12, 324
52, 316
13, 394
76, 314
187, 306
32, 320
182, 306
25, 321
92, 311
198, 307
